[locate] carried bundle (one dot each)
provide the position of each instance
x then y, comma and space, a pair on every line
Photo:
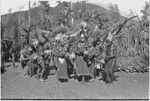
74, 48
46, 34
97, 33
43, 35
60, 29
81, 47
61, 37
47, 45
40, 36
91, 51
58, 51
90, 41
72, 55
100, 58
97, 51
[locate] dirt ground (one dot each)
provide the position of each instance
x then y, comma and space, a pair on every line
128, 86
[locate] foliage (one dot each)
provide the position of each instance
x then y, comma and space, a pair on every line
114, 12
146, 14
129, 36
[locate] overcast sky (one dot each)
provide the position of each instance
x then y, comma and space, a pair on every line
124, 5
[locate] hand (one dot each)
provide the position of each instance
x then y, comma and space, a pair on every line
86, 52
102, 61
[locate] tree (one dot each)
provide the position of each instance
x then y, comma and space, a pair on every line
146, 14
9, 11
79, 9
64, 17
58, 2
114, 13
44, 3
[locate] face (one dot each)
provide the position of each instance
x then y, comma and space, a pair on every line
29, 50
98, 43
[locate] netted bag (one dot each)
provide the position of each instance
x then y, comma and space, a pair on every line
81, 47
90, 41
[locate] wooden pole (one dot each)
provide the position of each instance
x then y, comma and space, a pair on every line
29, 18
29, 23
72, 19
19, 24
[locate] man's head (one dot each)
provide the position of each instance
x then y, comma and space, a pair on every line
28, 50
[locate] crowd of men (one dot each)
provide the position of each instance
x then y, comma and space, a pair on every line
77, 56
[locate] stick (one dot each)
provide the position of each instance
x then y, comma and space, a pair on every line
119, 27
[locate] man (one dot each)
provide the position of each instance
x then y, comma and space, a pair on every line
91, 62
2, 62
49, 61
6, 48
99, 59
71, 63
37, 57
81, 65
110, 63
24, 58
16, 53
62, 73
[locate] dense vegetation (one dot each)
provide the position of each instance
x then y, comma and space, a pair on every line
129, 35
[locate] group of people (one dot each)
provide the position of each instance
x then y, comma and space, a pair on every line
9, 53
78, 56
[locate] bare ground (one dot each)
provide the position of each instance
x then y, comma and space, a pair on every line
128, 86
